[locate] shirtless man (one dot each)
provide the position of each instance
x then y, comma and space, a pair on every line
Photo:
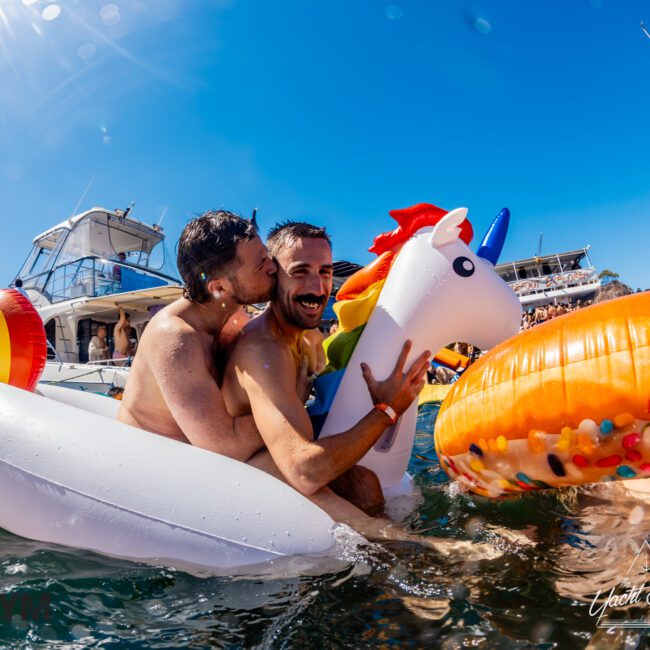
261, 375
172, 387
123, 348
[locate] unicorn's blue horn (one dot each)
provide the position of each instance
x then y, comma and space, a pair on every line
495, 237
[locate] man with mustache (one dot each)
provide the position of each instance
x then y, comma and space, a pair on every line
173, 385
263, 369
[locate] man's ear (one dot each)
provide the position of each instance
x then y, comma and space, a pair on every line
221, 287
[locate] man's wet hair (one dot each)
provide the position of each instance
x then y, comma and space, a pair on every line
208, 249
286, 233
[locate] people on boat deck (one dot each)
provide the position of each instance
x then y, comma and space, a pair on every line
98, 349
117, 269
122, 346
266, 364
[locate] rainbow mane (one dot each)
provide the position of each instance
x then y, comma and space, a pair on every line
358, 296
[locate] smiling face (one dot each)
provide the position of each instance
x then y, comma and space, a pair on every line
305, 275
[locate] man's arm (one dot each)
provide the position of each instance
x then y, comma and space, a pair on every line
268, 375
121, 322
194, 399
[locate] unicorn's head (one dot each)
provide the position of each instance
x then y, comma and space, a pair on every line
457, 287
427, 286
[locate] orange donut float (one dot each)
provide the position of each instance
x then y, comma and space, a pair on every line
23, 346
564, 403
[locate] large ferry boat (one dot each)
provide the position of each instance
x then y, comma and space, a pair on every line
557, 278
80, 273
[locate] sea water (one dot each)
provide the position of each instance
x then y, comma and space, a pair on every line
567, 563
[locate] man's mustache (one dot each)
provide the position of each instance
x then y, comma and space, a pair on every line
311, 297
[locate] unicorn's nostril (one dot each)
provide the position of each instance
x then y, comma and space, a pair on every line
463, 266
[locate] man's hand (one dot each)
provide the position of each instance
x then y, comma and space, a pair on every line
400, 388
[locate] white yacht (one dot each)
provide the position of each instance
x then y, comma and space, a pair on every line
80, 273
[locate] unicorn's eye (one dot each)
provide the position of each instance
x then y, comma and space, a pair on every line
464, 266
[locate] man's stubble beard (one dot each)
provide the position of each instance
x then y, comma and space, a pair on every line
244, 297
289, 312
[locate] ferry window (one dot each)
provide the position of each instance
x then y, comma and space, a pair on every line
523, 273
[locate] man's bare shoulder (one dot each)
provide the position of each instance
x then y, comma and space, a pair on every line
257, 343
171, 334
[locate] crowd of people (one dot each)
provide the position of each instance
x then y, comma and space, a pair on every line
540, 314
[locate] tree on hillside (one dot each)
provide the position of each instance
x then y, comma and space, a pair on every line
607, 276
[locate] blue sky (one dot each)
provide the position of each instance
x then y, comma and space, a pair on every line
335, 112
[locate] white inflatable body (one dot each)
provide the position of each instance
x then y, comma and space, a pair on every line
425, 299
79, 478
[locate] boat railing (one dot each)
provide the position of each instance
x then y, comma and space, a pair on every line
555, 281
93, 277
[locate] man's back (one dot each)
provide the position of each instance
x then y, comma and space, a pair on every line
143, 404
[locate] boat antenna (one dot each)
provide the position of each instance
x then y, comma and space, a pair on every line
162, 216
126, 212
81, 198
539, 246
254, 219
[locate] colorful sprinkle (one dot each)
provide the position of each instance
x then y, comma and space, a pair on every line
502, 443
645, 467
580, 461
606, 427
556, 465
631, 440
625, 471
542, 485
476, 450
633, 455
623, 420
589, 427
524, 486
536, 441
609, 461
522, 478
476, 465
565, 439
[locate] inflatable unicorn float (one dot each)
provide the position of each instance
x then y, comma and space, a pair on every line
71, 474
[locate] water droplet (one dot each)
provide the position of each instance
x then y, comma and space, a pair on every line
482, 26
51, 12
110, 14
86, 51
393, 12
636, 515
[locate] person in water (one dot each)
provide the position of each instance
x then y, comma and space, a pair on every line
173, 384
264, 369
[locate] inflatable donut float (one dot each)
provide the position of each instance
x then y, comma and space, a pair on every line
23, 346
564, 403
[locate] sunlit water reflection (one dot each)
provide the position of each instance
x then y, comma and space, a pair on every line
558, 551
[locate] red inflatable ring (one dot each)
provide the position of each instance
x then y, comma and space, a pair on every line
23, 346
